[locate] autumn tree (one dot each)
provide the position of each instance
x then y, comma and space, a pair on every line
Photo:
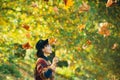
85, 33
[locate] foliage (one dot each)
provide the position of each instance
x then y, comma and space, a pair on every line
86, 33
10, 69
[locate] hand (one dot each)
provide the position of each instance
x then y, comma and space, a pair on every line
54, 62
53, 67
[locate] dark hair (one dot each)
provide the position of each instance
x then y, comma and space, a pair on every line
40, 53
39, 46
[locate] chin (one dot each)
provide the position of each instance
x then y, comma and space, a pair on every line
50, 52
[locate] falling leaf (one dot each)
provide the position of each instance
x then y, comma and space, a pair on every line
103, 30
115, 45
110, 3
88, 42
28, 35
27, 27
57, 31
35, 5
81, 27
84, 7
79, 48
68, 3
84, 46
52, 41
65, 1
26, 46
56, 10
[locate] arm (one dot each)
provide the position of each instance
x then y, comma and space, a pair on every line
43, 71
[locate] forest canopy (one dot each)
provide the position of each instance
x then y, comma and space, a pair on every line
85, 33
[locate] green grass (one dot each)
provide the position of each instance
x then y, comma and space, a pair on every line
20, 70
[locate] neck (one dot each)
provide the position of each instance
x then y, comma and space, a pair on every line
45, 57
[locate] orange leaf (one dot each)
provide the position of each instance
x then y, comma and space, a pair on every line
28, 35
65, 1
88, 42
26, 46
27, 27
81, 27
52, 41
103, 30
55, 10
84, 7
111, 3
79, 48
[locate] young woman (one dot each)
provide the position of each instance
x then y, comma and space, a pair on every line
44, 70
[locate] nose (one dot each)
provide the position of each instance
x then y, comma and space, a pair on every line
49, 46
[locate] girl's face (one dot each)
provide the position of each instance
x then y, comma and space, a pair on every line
47, 49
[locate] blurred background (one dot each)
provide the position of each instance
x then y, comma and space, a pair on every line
84, 34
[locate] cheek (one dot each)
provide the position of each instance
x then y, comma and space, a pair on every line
49, 50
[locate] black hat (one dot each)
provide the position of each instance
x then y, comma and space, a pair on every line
41, 43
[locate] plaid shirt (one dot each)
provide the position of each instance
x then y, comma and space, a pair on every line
42, 70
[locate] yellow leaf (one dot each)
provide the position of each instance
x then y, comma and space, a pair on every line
2, 22
23, 16
68, 4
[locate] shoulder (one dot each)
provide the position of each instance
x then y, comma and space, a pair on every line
41, 61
